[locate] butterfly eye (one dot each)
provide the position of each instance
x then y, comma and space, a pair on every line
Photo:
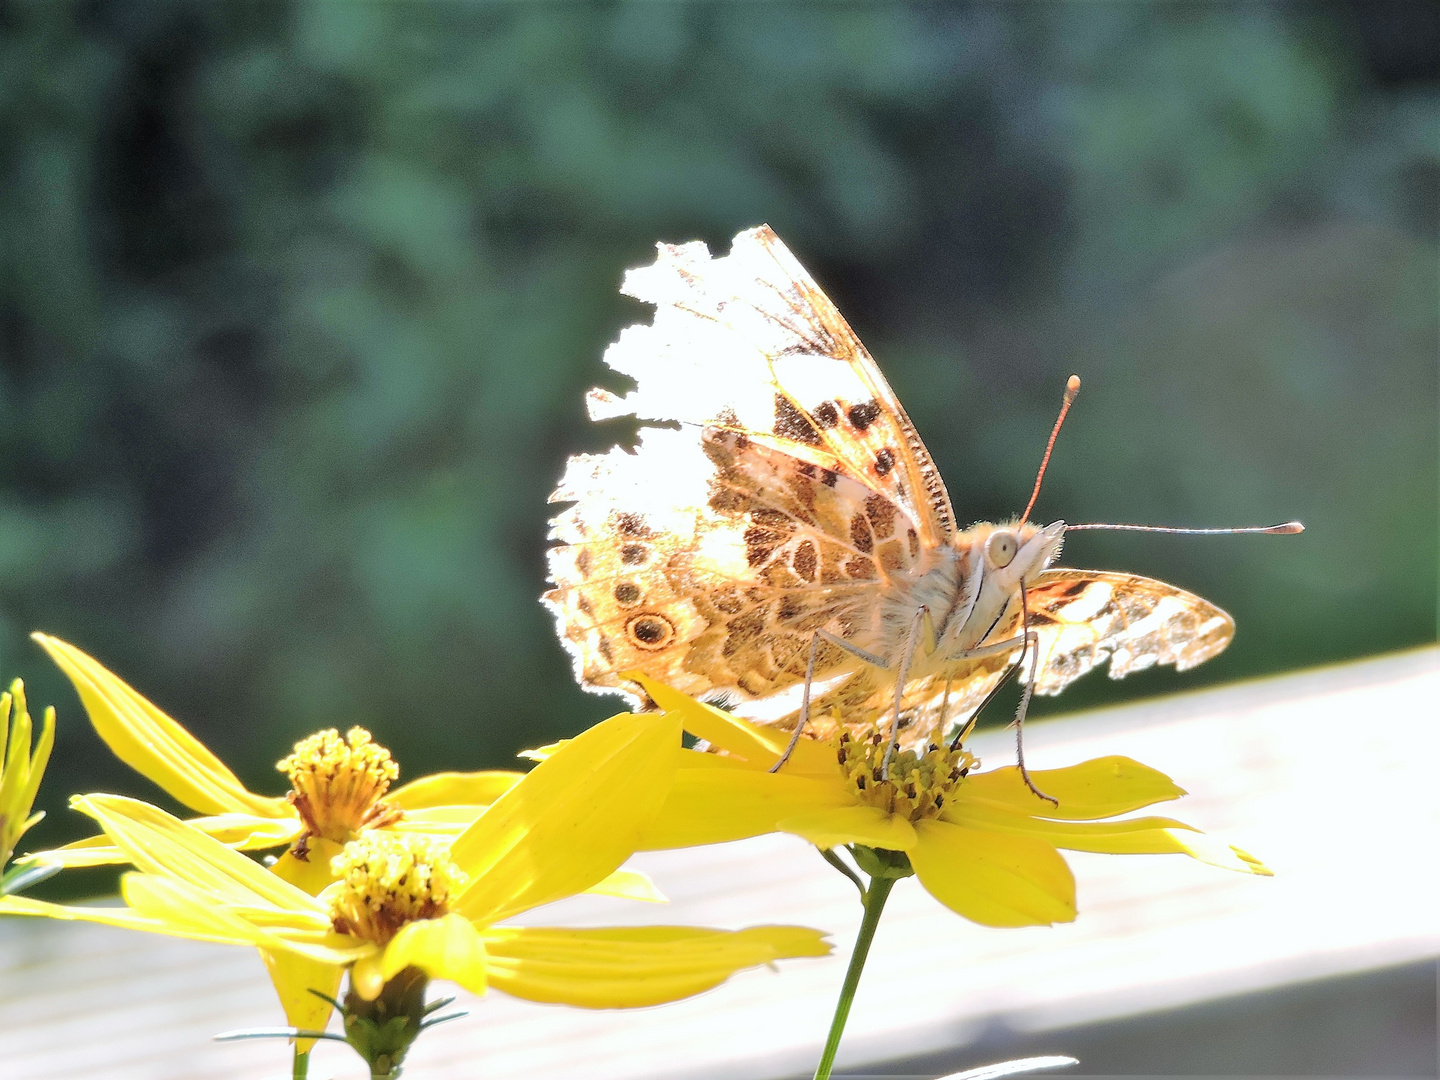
1000, 549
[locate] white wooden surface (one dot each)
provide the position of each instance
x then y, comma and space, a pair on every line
1329, 775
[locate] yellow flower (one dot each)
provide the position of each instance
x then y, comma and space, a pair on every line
980, 843
20, 771
410, 900
340, 790
340, 787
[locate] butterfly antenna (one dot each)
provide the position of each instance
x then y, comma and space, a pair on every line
1072, 387
1289, 528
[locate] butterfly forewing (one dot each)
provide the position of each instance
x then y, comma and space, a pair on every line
794, 487
1084, 617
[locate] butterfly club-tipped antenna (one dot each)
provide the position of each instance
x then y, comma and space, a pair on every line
1031, 644
1072, 388
1285, 528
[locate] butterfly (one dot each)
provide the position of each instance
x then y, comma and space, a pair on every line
780, 538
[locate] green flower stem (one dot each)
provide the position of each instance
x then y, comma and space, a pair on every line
300, 1066
874, 901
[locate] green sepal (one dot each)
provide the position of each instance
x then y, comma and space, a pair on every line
881, 862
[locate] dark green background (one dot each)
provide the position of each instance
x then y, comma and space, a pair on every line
299, 303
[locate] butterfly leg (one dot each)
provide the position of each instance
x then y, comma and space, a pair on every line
1032, 648
804, 707
804, 718
920, 619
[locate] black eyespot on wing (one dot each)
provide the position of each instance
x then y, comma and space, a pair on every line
826, 414
650, 630
633, 554
863, 415
627, 593
884, 461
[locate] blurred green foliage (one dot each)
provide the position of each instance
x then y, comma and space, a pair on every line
300, 300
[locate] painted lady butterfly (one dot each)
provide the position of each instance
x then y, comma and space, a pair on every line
786, 514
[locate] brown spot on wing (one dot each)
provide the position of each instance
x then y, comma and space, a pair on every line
860, 534
881, 512
792, 424
826, 414
863, 414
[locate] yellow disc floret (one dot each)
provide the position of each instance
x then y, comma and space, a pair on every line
336, 785
385, 880
916, 785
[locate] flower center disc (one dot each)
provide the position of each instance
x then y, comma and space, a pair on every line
918, 783
336, 785
385, 880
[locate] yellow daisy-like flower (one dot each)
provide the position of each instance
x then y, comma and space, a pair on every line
20, 771
340, 790
339, 787
980, 842
413, 901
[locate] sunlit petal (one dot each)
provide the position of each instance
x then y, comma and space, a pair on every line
293, 977
757, 745
572, 821
446, 948
160, 844
153, 744
713, 805
310, 874
474, 789
245, 832
625, 967
852, 824
1101, 787
629, 885
992, 878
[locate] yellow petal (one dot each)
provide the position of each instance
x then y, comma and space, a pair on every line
713, 805
106, 916
992, 878
445, 948
854, 824
293, 977
160, 844
629, 885
454, 789
760, 746
572, 821
245, 832
151, 743
312, 873
1101, 787
367, 976
189, 912
1130, 836
1218, 853
540, 753
632, 966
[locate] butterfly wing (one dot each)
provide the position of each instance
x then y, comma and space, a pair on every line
1084, 617
749, 342
794, 487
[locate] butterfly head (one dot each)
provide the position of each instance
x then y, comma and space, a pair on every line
1019, 550
1009, 553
